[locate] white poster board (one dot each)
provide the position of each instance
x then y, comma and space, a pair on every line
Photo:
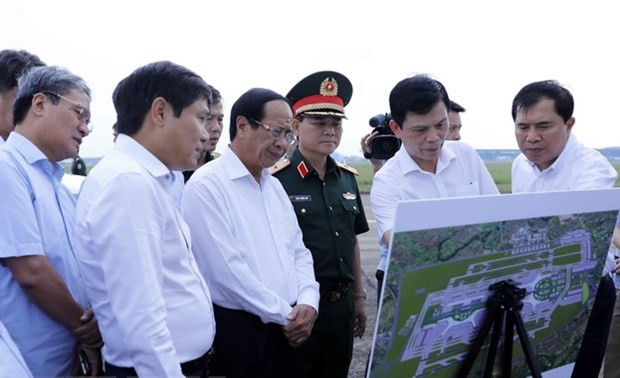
444, 255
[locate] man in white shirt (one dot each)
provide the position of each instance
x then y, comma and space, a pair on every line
426, 166
133, 247
43, 304
552, 159
249, 246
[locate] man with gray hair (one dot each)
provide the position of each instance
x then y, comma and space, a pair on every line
43, 304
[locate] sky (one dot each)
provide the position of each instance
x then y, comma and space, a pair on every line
482, 51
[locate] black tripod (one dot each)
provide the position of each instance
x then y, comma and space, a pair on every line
504, 304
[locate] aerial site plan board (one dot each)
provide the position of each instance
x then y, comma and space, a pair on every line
446, 253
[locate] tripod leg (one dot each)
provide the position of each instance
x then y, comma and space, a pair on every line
468, 363
508, 340
497, 331
525, 344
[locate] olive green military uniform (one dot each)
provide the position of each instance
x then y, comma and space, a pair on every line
330, 215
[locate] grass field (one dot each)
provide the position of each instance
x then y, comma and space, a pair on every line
499, 170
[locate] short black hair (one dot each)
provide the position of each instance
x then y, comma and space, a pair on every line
13, 64
532, 93
417, 94
251, 105
135, 94
455, 107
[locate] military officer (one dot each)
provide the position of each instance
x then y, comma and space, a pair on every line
329, 209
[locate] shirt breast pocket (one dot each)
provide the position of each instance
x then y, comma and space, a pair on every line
472, 189
350, 206
304, 209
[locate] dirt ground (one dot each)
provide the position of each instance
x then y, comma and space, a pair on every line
369, 247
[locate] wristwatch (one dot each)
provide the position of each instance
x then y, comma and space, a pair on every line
359, 294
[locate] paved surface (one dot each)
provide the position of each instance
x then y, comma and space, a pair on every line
369, 246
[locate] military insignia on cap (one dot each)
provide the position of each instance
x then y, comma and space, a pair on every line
349, 196
329, 87
323, 93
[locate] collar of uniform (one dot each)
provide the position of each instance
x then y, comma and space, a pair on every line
304, 168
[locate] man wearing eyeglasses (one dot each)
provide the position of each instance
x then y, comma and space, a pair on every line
329, 210
249, 247
43, 302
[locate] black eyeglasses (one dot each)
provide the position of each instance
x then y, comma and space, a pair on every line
278, 132
80, 110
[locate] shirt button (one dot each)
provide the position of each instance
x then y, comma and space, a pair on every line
337, 234
354, 207
303, 211
331, 209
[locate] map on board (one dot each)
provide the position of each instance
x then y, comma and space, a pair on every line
438, 280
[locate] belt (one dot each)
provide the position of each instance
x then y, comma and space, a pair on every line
200, 363
188, 368
335, 295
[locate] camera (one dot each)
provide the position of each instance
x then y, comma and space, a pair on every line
385, 144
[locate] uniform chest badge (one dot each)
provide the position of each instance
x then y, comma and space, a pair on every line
349, 196
300, 198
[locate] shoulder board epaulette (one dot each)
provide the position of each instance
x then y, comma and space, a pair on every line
348, 168
215, 155
280, 165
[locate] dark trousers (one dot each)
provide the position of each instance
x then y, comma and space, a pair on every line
246, 347
329, 349
121, 372
594, 343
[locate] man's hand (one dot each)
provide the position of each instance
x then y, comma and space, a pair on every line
88, 332
93, 359
300, 326
360, 318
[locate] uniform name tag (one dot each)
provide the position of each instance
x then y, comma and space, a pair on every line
301, 198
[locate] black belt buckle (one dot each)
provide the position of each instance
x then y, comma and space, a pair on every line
200, 363
336, 296
339, 293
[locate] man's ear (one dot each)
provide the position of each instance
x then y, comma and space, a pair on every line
38, 103
570, 123
395, 127
243, 125
159, 108
296, 125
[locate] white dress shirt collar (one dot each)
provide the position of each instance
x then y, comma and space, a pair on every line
407, 164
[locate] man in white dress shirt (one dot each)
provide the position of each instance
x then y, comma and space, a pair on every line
426, 166
133, 247
552, 159
249, 246
43, 303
